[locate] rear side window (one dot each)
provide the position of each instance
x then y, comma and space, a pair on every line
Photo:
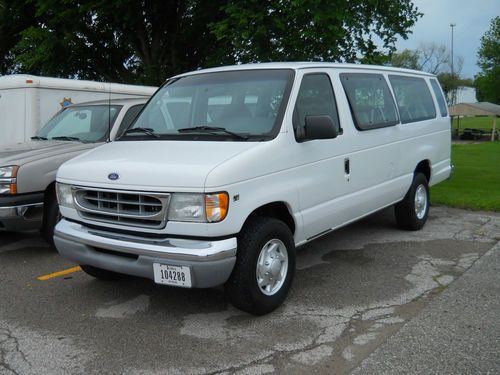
413, 98
315, 98
439, 96
371, 101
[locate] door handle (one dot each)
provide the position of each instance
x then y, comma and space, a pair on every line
347, 166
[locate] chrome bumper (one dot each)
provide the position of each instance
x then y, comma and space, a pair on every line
211, 262
22, 217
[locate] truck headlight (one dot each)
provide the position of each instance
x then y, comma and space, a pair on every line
200, 208
8, 179
64, 195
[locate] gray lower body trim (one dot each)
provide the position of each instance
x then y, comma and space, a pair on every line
211, 262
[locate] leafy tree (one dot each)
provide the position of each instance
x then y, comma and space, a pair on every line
488, 81
15, 16
335, 30
409, 59
140, 41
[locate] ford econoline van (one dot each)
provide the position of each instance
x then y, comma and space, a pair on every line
226, 171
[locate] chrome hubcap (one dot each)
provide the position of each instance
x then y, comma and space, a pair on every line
420, 201
272, 267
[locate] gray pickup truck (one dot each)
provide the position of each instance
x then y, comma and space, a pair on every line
28, 170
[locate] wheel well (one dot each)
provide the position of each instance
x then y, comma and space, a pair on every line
277, 210
424, 167
48, 193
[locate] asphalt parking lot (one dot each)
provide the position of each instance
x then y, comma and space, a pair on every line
368, 298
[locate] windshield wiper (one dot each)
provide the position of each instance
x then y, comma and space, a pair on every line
66, 138
147, 131
211, 130
38, 138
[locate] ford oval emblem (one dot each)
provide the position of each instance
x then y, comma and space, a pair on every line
113, 176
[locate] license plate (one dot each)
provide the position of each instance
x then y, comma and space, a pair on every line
172, 275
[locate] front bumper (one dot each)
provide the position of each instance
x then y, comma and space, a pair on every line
21, 212
211, 262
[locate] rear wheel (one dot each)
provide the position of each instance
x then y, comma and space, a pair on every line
412, 211
99, 273
264, 268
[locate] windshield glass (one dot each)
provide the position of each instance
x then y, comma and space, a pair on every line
81, 123
230, 105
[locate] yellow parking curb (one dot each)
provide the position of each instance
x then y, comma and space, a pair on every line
59, 273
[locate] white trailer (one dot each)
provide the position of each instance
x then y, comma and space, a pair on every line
27, 102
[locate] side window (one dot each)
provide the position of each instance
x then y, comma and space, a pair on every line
315, 98
128, 118
413, 97
439, 96
371, 101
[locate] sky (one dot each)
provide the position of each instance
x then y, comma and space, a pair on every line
472, 19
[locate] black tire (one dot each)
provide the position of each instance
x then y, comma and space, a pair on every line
99, 273
242, 287
406, 215
51, 217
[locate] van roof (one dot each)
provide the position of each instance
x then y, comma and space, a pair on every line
307, 65
27, 81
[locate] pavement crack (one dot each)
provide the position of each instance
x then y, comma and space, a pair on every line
9, 344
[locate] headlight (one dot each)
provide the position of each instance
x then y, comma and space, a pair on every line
200, 208
64, 195
8, 179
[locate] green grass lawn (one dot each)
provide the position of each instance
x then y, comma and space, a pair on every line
476, 182
475, 123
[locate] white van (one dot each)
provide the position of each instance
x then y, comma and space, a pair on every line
226, 171
27, 102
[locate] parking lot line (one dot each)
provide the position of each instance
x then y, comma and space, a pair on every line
59, 273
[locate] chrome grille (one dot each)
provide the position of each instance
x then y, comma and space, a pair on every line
140, 209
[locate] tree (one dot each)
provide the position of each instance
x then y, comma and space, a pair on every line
15, 16
125, 41
488, 80
147, 41
334, 30
430, 57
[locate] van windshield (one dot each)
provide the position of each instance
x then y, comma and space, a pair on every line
80, 123
226, 106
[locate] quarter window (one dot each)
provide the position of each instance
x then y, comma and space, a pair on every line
439, 96
315, 98
371, 101
413, 97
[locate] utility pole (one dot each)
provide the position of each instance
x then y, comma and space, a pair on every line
452, 25
453, 91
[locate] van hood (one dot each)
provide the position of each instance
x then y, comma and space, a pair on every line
150, 165
22, 153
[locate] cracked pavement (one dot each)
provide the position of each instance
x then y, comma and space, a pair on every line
355, 291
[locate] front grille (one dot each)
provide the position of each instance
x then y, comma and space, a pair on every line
140, 209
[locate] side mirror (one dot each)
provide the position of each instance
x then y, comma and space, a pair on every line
319, 127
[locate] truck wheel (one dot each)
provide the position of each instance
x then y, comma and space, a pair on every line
265, 265
99, 273
412, 211
51, 217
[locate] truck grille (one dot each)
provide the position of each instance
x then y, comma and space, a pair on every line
140, 209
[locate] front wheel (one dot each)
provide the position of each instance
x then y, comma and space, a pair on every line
265, 265
412, 211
